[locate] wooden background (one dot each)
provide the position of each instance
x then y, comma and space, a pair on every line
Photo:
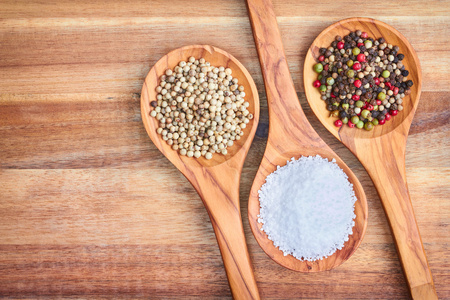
89, 208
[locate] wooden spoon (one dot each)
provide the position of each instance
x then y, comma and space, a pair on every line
215, 180
382, 150
290, 135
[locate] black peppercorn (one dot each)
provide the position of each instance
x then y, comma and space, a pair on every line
381, 40
322, 51
409, 83
405, 73
328, 53
400, 56
343, 114
330, 107
154, 104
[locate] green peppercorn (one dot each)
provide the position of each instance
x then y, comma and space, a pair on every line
318, 67
339, 71
344, 120
381, 96
336, 104
323, 88
385, 74
355, 120
319, 77
375, 122
345, 106
368, 44
365, 113
356, 51
330, 80
359, 103
368, 126
360, 124
350, 73
350, 63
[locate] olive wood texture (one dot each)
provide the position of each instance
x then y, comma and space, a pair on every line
382, 150
215, 180
291, 135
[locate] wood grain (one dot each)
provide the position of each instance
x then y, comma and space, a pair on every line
215, 180
90, 208
382, 150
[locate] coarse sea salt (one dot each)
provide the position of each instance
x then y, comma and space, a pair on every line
307, 208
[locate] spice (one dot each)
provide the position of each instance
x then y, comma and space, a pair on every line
201, 109
307, 208
361, 77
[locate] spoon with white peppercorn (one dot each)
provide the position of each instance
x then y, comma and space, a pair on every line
291, 135
215, 176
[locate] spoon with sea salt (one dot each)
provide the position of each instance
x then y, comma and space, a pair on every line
291, 135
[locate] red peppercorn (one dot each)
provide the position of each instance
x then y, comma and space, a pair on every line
377, 81
395, 90
326, 67
340, 45
361, 57
316, 83
381, 122
387, 117
321, 58
356, 66
388, 85
332, 95
394, 112
357, 83
355, 97
350, 124
360, 44
392, 88
338, 123
370, 107
364, 35
379, 102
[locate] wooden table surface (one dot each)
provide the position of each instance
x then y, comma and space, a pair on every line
89, 208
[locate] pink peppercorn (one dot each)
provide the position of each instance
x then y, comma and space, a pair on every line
321, 58
381, 122
356, 66
361, 57
370, 107
388, 117
357, 83
355, 97
379, 102
364, 35
338, 123
316, 83
340, 45
377, 81
350, 124
395, 90
394, 112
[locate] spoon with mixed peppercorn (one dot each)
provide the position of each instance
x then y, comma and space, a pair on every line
363, 73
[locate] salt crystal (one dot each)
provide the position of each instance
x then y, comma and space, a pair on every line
307, 208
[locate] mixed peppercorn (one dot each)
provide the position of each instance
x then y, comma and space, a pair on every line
362, 80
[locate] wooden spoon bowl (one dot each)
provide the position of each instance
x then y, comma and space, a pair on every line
291, 135
215, 180
382, 150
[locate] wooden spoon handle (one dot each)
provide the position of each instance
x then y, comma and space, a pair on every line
220, 194
386, 167
283, 104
